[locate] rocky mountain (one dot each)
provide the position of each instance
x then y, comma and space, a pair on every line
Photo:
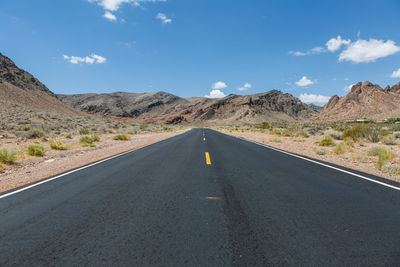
163, 107
365, 100
18, 87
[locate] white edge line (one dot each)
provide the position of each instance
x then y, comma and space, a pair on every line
75, 170
322, 164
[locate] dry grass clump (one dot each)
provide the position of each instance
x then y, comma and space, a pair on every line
2, 167
391, 169
276, 131
83, 131
321, 152
58, 145
389, 140
7, 157
36, 150
122, 137
384, 156
342, 148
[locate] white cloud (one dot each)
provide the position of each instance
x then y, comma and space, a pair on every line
304, 81
110, 16
164, 19
396, 74
313, 51
297, 53
219, 85
93, 58
114, 5
334, 44
245, 87
215, 94
363, 51
311, 98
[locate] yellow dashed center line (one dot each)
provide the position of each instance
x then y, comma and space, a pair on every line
208, 160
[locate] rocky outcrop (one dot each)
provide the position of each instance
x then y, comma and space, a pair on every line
365, 100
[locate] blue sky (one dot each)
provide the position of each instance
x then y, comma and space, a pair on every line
190, 48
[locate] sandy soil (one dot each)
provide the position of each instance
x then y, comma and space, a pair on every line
357, 160
31, 169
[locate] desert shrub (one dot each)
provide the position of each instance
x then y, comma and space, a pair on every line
396, 135
264, 125
373, 135
35, 133
83, 131
143, 127
391, 169
342, 148
374, 151
327, 141
58, 145
122, 137
132, 132
321, 152
276, 131
356, 132
96, 137
68, 136
303, 133
35, 150
7, 157
276, 140
2, 167
389, 140
336, 136
87, 141
348, 141
383, 158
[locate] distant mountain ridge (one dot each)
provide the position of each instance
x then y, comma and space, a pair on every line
365, 100
160, 106
19, 87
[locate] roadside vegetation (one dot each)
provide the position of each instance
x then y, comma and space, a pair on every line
27, 135
367, 145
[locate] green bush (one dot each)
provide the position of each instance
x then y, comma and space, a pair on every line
264, 125
356, 132
122, 137
327, 141
391, 169
321, 152
87, 141
143, 127
383, 158
35, 150
303, 133
83, 131
58, 145
7, 157
276, 131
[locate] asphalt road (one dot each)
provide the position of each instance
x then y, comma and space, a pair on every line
163, 205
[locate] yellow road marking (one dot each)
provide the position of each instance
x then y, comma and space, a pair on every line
212, 197
208, 160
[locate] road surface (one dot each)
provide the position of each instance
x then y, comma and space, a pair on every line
173, 204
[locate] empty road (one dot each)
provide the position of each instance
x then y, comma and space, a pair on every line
202, 200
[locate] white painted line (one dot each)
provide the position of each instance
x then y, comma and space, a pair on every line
323, 164
76, 170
